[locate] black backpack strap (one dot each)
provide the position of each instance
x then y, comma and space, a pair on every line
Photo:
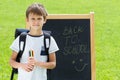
46, 37
12, 75
22, 38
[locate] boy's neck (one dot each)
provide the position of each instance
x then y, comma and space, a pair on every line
36, 32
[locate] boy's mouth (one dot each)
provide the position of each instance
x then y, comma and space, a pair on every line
35, 25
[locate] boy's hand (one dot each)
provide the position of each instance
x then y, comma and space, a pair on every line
30, 65
27, 67
31, 61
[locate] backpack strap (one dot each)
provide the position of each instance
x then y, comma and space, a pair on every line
22, 42
47, 42
46, 46
22, 39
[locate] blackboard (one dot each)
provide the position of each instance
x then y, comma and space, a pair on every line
75, 58
74, 35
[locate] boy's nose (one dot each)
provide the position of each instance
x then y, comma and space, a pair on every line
36, 22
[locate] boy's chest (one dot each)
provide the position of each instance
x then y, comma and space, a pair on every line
37, 45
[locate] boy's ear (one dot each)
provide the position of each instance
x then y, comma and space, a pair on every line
27, 24
27, 20
45, 21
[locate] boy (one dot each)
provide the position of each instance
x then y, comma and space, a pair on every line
34, 68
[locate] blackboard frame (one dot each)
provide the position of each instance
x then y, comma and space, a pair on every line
92, 45
82, 16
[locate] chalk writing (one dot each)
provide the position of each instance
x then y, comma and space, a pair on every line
79, 69
74, 45
69, 30
74, 39
75, 49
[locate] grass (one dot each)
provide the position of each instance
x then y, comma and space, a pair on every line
107, 40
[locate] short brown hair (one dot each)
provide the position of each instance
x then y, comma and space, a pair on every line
38, 9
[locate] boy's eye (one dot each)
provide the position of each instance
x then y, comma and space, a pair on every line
39, 18
32, 18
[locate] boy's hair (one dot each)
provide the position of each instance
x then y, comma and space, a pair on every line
38, 9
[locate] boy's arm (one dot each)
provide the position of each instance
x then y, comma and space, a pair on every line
13, 62
26, 66
48, 65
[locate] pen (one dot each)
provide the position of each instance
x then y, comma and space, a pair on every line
31, 53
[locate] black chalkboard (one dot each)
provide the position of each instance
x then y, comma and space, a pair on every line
74, 41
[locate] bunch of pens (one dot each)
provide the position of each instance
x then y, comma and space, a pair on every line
31, 53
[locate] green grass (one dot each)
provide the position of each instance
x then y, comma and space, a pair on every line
107, 38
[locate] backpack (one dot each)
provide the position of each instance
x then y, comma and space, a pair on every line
23, 34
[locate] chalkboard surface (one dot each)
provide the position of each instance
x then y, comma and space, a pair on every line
74, 56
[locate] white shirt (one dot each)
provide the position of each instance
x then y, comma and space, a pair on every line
35, 43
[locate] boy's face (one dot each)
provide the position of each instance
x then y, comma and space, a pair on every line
35, 21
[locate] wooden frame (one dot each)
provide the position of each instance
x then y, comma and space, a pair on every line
82, 16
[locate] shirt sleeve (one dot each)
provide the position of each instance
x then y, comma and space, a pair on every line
53, 46
15, 45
